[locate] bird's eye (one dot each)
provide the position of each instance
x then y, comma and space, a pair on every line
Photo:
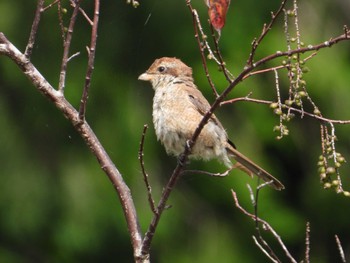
161, 69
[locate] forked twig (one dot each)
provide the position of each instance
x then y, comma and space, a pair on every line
265, 225
266, 29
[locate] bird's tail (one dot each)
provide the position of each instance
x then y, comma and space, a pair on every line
246, 165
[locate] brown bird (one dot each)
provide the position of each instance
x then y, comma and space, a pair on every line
178, 108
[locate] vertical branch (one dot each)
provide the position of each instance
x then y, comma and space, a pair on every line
145, 175
67, 43
91, 51
34, 30
201, 46
60, 19
307, 243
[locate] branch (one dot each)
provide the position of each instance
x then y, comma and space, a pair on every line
34, 30
144, 173
83, 128
265, 30
266, 226
67, 42
91, 51
268, 102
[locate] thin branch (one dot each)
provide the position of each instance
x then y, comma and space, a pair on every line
255, 201
67, 43
228, 75
162, 205
307, 243
340, 248
264, 32
92, 51
34, 30
264, 251
268, 102
265, 224
201, 47
60, 21
83, 13
144, 173
50, 5
83, 128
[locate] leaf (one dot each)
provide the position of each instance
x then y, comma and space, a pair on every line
217, 13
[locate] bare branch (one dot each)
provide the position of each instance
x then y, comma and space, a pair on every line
50, 5
83, 128
34, 30
201, 47
83, 13
67, 43
145, 175
340, 248
307, 243
266, 29
268, 102
92, 51
266, 226
264, 250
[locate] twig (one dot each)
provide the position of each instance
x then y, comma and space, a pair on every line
307, 243
255, 201
67, 43
265, 224
34, 30
340, 248
265, 30
228, 75
60, 21
196, 24
50, 5
162, 205
83, 13
268, 102
144, 173
90, 68
264, 251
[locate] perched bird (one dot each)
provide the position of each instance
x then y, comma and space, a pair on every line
178, 108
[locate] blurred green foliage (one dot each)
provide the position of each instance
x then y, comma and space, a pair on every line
57, 205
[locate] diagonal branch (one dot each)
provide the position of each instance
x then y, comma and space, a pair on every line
264, 32
83, 128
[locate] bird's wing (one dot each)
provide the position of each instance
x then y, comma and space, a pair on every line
201, 103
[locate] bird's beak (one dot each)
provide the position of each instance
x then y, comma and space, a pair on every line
145, 76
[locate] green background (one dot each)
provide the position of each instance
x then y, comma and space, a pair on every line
56, 204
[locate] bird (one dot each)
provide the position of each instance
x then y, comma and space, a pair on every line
178, 108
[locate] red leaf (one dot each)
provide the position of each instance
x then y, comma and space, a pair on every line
217, 12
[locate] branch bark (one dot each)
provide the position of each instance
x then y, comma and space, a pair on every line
83, 128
